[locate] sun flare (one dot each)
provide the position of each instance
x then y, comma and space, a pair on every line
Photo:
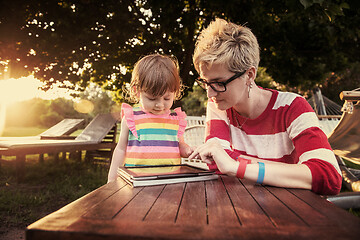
14, 90
21, 89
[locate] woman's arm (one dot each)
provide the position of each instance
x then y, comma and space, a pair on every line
119, 152
276, 174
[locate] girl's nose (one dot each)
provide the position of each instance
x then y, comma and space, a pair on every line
158, 104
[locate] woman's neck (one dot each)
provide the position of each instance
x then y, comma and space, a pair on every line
255, 105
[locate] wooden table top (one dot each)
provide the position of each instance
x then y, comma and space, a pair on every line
226, 208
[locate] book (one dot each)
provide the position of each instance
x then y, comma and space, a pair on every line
140, 176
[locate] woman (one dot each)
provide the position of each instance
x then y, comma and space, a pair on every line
277, 131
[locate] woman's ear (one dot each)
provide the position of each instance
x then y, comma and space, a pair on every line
251, 75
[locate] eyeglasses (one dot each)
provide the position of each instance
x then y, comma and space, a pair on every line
218, 86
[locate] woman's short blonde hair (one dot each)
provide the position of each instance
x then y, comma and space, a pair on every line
155, 74
227, 43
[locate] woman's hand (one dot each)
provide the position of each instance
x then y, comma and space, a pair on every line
211, 152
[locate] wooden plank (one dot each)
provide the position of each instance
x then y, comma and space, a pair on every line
321, 117
64, 127
98, 128
306, 212
350, 95
61, 219
249, 212
279, 214
333, 213
193, 205
67, 223
220, 209
137, 208
54, 147
166, 207
111, 206
109, 229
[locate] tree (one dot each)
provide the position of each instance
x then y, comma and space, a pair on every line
90, 40
335, 83
80, 41
194, 104
40, 112
100, 100
300, 41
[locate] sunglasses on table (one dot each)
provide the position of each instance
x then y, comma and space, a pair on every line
217, 86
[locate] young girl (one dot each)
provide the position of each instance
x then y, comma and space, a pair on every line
151, 134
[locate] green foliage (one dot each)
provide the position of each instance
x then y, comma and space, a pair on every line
46, 113
300, 45
99, 41
194, 104
40, 112
49, 119
101, 99
21, 131
346, 80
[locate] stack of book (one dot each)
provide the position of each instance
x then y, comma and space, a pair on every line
164, 174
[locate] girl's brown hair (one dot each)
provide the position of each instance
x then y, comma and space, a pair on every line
155, 74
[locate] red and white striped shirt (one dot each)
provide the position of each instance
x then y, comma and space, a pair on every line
287, 131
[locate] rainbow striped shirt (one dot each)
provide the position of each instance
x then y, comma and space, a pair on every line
153, 139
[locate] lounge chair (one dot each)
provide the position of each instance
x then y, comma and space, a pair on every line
345, 141
62, 130
345, 138
93, 137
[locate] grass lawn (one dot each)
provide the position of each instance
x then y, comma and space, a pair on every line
46, 188
28, 131
21, 131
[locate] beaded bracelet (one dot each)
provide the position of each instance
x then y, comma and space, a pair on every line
242, 167
261, 173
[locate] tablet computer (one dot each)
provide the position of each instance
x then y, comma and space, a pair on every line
164, 174
163, 171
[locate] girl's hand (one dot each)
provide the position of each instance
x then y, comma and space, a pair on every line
184, 148
211, 152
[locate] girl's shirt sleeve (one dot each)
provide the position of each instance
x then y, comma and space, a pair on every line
182, 121
128, 113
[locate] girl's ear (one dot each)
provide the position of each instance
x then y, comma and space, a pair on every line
135, 91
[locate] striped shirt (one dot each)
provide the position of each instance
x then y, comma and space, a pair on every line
153, 139
287, 131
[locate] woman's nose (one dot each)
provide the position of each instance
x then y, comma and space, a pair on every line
210, 92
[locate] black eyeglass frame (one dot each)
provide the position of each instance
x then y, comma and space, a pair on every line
201, 81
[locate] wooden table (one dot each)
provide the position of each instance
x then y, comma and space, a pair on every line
226, 208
